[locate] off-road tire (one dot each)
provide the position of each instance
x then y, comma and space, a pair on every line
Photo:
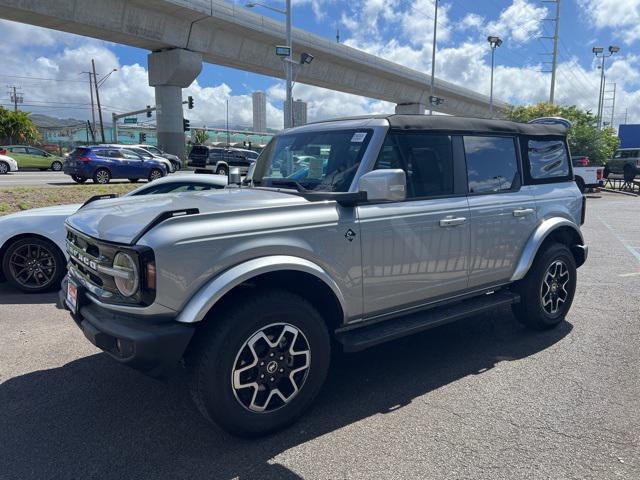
530, 311
222, 170
214, 352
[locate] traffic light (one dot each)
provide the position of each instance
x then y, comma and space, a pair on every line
142, 137
185, 124
190, 102
148, 111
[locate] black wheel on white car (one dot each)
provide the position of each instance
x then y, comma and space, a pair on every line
547, 291
56, 166
222, 170
78, 179
102, 176
34, 265
4, 167
155, 174
259, 368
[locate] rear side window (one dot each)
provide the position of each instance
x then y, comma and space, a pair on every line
627, 154
199, 150
80, 152
547, 159
492, 164
427, 160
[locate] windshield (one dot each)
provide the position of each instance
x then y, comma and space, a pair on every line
320, 161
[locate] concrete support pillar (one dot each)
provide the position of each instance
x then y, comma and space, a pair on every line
410, 108
169, 72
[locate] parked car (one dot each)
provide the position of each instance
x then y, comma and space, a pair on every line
625, 161
174, 159
585, 174
31, 157
7, 164
103, 163
32, 242
146, 154
414, 221
219, 159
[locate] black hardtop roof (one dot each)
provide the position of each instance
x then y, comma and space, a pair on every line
463, 124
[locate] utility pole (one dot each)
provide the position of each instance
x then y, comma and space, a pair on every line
93, 112
15, 96
613, 104
433, 58
554, 53
95, 83
599, 53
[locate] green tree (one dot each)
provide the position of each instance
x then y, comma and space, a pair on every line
17, 127
584, 137
200, 137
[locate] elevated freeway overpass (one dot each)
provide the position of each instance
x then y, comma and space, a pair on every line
181, 34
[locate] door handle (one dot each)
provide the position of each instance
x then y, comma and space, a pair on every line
452, 222
522, 212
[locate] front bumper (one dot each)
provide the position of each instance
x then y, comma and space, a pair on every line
151, 345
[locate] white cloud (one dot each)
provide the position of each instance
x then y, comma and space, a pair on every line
521, 21
622, 16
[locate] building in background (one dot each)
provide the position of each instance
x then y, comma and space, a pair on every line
259, 100
299, 114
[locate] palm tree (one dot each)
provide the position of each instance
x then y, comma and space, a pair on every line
200, 137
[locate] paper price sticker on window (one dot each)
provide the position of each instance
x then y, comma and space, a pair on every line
358, 137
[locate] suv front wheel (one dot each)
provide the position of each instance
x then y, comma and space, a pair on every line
259, 367
546, 293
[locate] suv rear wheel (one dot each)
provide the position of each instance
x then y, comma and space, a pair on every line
262, 365
102, 176
546, 293
78, 179
222, 170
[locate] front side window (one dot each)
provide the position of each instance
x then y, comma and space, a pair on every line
547, 159
492, 164
35, 151
18, 150
320, 161
426, 159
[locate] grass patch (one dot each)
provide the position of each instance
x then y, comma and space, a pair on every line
16, 199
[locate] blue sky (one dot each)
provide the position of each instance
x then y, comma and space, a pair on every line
398, 30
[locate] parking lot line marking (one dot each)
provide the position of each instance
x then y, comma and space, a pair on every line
629, 274
628, 246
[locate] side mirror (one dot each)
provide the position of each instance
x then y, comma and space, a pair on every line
384, 185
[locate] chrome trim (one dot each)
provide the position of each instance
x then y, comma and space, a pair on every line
116, 272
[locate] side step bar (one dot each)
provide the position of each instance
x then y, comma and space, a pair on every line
370, 335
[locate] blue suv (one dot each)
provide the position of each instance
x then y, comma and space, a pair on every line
102, 163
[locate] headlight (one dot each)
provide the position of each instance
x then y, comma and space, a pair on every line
128, 282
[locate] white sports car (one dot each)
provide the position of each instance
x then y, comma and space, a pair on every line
32, 243
7, 164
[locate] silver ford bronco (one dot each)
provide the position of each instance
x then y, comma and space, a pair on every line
347, 234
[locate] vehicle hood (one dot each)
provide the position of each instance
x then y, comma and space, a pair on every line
120, 220
55, 211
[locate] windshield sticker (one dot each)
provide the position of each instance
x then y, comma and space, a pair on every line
358, 137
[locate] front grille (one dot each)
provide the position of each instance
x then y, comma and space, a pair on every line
86, 255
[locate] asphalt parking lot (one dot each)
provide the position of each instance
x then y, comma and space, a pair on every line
483, 398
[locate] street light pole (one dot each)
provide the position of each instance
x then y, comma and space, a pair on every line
95, 82
289, 67
600, 51
433, 57
494, 42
